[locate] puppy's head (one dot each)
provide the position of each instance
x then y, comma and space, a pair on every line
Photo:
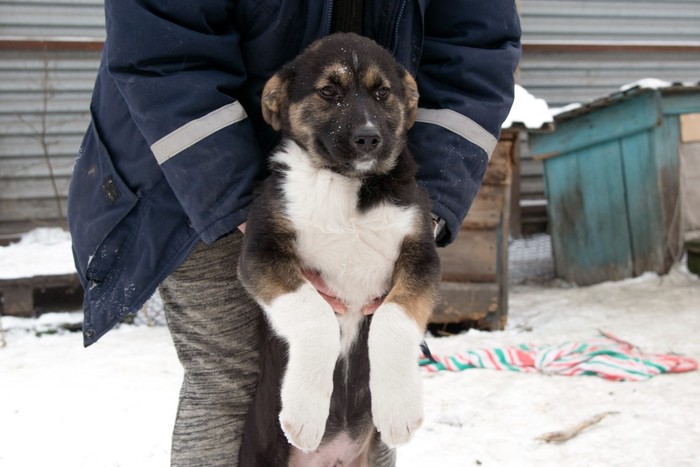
347, 102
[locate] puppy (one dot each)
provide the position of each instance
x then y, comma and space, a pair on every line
342, 204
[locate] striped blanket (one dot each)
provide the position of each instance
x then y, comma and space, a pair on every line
606, 356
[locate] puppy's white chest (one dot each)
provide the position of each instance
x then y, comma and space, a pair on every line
354, 251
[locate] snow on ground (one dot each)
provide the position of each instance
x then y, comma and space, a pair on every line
43, 251
481, 417
114, 403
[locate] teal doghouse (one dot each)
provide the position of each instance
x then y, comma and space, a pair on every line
612, 180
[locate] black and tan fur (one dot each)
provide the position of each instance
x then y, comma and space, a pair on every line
343, 108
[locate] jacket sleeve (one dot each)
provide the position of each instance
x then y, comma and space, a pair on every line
178, 66
466, 84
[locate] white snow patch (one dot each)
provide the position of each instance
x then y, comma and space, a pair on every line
646, 83
567, 108
114, 403
528, 110
43, 251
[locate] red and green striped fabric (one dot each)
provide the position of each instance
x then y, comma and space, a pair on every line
606, 356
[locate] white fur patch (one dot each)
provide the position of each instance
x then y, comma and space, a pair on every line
369, 125
365, 165
395, 383
349, 325
354, 251
309, 326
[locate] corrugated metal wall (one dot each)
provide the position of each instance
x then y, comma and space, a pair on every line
46, 79
571, 53
52, 19
575, 51
44, 100
565, 77
610, 20
578, 50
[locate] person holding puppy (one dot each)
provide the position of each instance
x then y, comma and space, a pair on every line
177, 143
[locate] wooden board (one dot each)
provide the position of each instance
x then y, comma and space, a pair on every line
643, 209
487, 210
471, 258
608, 124
18, 294
500, 166
667, 160
690, 128
690, 189
590, 235
466, 302
475, 266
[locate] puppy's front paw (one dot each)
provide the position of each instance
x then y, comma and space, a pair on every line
397, 408
395, 382
311, 330
304, 414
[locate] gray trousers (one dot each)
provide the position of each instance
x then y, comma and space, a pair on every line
215, 326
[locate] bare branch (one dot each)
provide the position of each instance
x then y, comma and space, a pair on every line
566, 435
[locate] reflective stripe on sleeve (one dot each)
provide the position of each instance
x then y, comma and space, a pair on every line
196, 130
460, 125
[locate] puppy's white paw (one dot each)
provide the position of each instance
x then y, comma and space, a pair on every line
397, 407
304, 414
395, 382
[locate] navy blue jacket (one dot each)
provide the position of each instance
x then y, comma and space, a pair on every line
177, 142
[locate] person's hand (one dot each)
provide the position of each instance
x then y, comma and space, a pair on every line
336, 304
372, 306
324, 291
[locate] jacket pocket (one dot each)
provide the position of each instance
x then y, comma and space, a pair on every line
99, 203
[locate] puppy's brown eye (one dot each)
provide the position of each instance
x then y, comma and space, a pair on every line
382, 93
328, 92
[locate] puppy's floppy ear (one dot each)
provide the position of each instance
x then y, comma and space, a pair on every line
274, 101
411, 93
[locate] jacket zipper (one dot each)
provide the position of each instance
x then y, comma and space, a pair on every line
329, 16
395, 46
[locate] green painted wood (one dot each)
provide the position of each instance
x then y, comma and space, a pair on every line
643, 211
590, 234
613, 190
679, 103
606, 124
667, 159
564, 206
608, 252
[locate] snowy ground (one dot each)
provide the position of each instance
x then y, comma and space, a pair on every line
114, 403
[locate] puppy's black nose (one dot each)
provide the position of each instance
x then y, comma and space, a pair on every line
366, 139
